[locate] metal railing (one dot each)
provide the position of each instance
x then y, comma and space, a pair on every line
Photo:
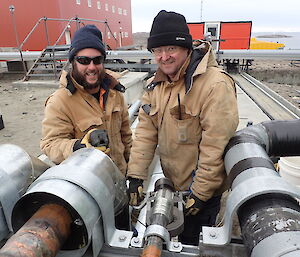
78, 22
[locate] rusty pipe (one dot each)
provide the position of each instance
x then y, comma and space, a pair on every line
42, 235
153, 247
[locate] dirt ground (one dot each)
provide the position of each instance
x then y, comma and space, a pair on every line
283, 77
22, 109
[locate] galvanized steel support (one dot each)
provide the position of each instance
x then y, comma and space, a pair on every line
91, 188
256, 187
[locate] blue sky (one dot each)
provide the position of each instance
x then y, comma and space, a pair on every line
266, 15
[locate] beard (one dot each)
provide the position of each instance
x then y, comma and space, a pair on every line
80, 78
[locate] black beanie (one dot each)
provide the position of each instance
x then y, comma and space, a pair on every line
88, 36
169, 28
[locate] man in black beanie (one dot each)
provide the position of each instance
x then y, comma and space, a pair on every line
190, 111
88, 110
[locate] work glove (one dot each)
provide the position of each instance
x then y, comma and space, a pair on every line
193, 205
97, 138
135, 191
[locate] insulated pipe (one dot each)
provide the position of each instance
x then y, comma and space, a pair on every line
133, 110
270, 222
161, 216
42, 235
91, 188
17, 171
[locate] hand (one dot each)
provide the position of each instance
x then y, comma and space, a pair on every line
135, 191
96, 138
193, 205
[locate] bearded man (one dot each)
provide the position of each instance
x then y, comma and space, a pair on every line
88, 109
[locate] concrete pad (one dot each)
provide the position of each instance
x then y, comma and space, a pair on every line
248, 110
132, 81
37, 83
134, 84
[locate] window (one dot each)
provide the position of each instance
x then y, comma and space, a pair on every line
213, 31
113, 9
77, 1
108, 35
120, 11
106, 7
126, 34
89, 3
124, 12
115, 34
98, 5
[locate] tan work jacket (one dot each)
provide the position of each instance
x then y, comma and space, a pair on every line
193, 143
71, 112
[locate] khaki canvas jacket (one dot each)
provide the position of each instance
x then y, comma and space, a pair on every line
193, 141
71, 112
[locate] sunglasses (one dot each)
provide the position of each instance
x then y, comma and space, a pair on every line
85, 60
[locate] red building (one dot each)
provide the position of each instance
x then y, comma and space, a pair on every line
18, 17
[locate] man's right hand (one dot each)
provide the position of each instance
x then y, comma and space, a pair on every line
135, 191
97, 138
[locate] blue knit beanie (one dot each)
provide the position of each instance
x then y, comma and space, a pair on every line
88, 36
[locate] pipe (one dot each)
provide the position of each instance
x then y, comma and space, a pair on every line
133, 110
91, 188
273, 216
161, 215
42, 235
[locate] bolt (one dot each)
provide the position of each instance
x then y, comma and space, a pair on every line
136, 240
78, 222
213, 234
122, 238
176, 245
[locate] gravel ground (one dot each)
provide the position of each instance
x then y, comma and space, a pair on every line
283, 77
22, 109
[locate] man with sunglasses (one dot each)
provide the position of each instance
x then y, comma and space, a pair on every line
190, 112
88, 110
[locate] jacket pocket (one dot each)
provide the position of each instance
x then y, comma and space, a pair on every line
186, 127
154, 115
116, 120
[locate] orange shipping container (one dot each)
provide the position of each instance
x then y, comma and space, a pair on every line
225, 35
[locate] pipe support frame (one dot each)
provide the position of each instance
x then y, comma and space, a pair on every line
239, 195
163, 233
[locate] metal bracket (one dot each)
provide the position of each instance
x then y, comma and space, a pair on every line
101, 192
157, 230
240, 194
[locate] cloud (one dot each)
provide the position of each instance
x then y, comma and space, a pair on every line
264, 14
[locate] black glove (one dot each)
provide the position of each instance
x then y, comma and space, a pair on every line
135, 191
97, 138
193, 205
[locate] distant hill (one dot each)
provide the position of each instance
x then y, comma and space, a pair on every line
273, 36
140, 39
